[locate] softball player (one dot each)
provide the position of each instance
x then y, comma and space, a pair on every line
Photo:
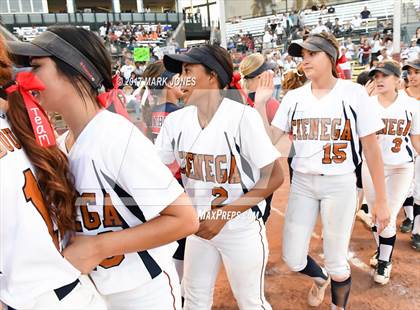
36, 204
398, 140
251, 69
326, 117
129, 204
413, 91
228, 167
165, 91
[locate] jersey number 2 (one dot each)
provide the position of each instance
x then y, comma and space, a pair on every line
33, 194
221, 195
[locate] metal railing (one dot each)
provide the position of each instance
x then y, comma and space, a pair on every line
93, 19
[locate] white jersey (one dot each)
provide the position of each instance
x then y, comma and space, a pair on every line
402, 119
121, 183
222, 161
326, 132
30, 262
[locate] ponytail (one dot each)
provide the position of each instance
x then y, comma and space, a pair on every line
51, 165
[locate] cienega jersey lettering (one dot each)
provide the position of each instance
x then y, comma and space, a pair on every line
326, 131
401, 119
121, 183
222, 161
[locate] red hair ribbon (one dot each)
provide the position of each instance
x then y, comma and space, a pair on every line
114, 99
236, 77
26, 83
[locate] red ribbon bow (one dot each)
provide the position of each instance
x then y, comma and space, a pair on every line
26, 83
236, 77
114, 99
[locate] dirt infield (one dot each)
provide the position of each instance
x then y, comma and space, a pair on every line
286, 290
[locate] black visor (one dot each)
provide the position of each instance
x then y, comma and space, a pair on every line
197, 55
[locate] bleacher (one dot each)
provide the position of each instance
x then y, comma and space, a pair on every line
380, 9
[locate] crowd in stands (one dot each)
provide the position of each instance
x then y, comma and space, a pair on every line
119, 36
286, 27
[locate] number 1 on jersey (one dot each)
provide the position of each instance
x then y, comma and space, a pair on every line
33, 194
339, 155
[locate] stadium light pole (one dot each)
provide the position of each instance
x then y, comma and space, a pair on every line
396, 29
222, 19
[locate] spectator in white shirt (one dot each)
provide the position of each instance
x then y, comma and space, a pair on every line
267, 40
127, 69
356, 22
319, 28
289, 63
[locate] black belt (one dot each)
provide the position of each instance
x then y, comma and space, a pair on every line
61, 292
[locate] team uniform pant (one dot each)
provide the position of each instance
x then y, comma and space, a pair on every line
335, 199
82, 296
162, 292
243, 252
416, 195
397, 183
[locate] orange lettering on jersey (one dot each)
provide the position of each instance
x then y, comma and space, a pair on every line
407, 128
111, 216
400, 127
299, 132
391, 123
33, 194
5, 142
112, 261
221, 174
12, 138
208, 160
91, 220
335, 132
324, 122
293, 128
198, 163
188, 165
313, 131
221, 196
346, 133
234, 176
305, 124
383, 130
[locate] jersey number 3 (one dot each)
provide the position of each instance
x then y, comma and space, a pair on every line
397, 145
33, 194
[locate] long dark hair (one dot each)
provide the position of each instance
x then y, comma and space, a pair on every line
91, 46
51, 165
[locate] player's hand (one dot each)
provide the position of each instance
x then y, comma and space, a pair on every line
83, 253
265, 89
380, 215
210, 228
371, 87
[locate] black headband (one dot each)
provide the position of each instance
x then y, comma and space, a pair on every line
49, 44
197, 55
264, 67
